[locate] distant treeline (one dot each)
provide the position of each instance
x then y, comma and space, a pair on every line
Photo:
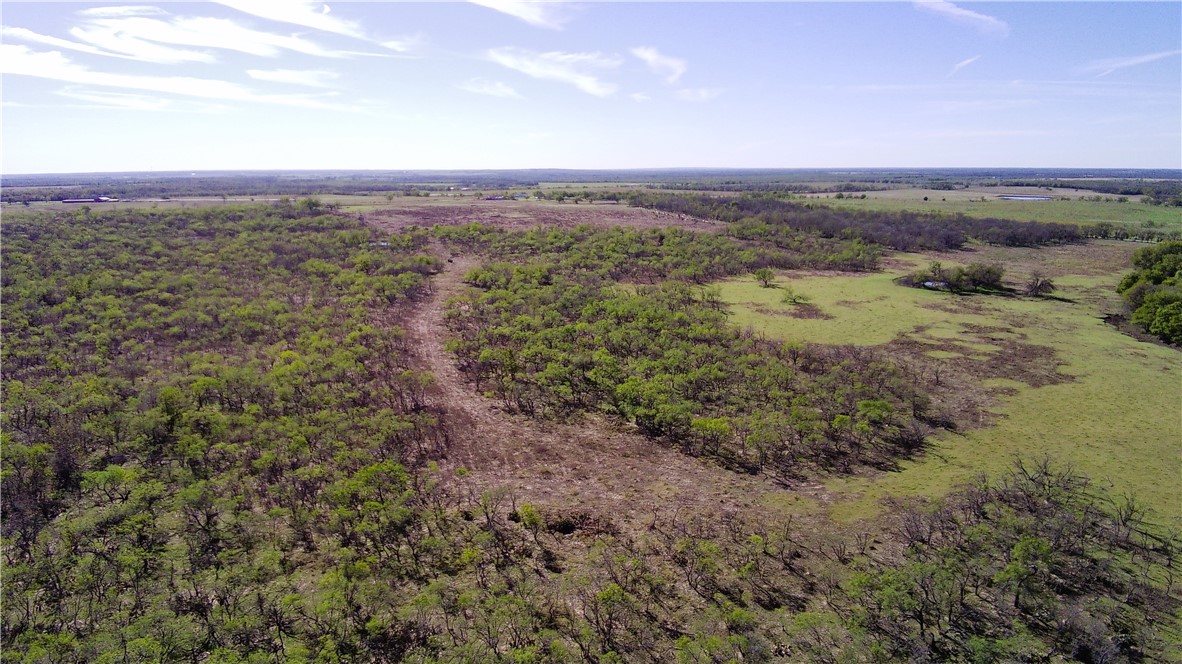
901, 230
1155, 192
221, 186
773, 186
1158, 184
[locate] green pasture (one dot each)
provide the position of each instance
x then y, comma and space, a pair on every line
968, 202
1117, 419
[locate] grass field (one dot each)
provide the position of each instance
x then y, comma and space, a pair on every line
1074, 210
1112, 409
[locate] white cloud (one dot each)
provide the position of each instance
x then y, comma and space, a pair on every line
317, 16
119, 100
313, 15
107, 36
698, 94
962, 64
22, 34
541, 14
52, 65
1109, 65
982, 22
640, 97
483, 86
315, 78
141, 38
126, 10
570, 68
404, 44
667, 67
155, 40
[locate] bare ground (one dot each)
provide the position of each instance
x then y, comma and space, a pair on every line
596, 465
523, 215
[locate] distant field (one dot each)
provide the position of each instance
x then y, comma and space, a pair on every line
968, 202
1114, 412
1132, 213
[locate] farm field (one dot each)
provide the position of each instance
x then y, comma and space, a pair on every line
1074, 210
1090, 395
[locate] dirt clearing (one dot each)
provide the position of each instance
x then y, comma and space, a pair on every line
524, 215
596, 465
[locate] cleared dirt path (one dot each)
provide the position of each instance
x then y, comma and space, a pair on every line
594, 465
524, 215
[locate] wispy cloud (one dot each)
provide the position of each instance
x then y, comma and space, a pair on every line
962, 64
131, 101
667, 67
317, 16
313, 15
116, 100
698, 94
127, 35
964, 95
164, 41
570, 68
976, 105
483, 86
315, 78
540, 14
1109, 65
126, 10
640, 97
405, 44
982, 22
22, 61
157, 54
143, 39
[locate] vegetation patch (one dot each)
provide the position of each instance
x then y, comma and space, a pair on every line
765, 215
234, 435
1065, 357
1153, 291
557, 339
802, 311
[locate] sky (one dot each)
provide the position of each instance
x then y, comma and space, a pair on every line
289, 84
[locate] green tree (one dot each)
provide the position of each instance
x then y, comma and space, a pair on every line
765, 276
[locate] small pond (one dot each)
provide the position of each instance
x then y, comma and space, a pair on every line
1025, 198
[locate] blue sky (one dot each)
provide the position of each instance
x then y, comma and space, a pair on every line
268, 84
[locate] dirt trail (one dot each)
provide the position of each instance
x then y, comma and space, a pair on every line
593, 465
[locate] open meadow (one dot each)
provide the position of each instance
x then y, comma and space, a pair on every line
1039, 376
1067, 206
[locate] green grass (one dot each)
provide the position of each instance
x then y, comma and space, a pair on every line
867, 310
1118, 420
1132, 213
